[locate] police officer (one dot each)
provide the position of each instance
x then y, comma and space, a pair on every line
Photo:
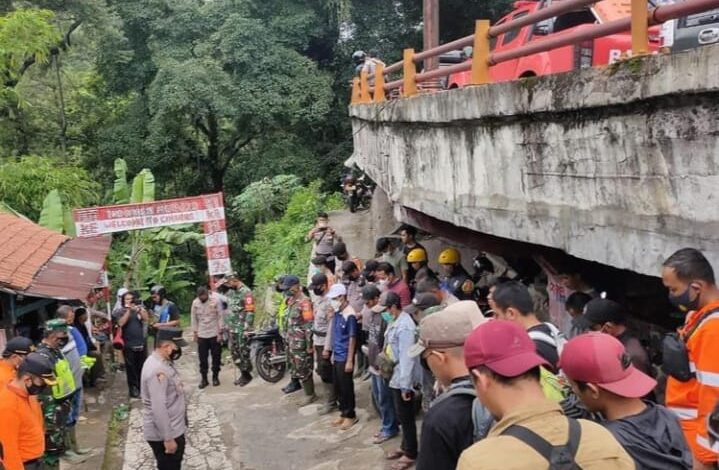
455, 278
299, 334
240, 322
164, 411
56, 401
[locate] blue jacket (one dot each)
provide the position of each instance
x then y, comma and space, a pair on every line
400, 337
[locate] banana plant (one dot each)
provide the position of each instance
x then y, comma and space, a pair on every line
55, 215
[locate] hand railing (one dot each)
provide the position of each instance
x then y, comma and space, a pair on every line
482, 58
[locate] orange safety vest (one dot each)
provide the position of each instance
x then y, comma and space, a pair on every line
692, 401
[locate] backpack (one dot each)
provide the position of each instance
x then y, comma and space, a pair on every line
675, 356
482, 420
559, 457
554, 338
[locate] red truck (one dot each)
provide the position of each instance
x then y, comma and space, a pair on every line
600, 51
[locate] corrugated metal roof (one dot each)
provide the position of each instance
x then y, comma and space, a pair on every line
25, 247
73, 271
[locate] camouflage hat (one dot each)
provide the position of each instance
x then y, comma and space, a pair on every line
56, 324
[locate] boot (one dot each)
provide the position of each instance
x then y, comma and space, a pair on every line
331, 403
204, 383
292, 387
309, 388
72, 435
244, 379
70, 456
215, 380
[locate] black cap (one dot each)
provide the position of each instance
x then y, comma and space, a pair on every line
171, 334
289, 281
318, 280
318, 260
386, 299
339, 249
18, 345
422, 302
370, 292
39, 366
601, 311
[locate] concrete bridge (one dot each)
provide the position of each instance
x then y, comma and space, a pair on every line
617, 165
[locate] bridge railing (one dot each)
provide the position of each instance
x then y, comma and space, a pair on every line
369, 88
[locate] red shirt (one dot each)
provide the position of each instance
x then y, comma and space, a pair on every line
402, 289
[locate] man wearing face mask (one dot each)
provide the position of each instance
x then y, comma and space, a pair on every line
21, 434
16, 350
693, 382
57, 401
299, 335
323, 313
354, 283
164, 410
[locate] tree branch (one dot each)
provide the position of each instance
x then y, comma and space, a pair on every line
236, 149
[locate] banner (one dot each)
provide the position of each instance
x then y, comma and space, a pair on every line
208, 209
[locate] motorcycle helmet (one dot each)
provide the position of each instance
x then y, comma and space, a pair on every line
159, 290
482, 264
359, 57
416, 256
449, 256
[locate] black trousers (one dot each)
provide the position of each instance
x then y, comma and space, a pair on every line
405, 415
345, 387
134, 359
205, 346
168, 461
324, 366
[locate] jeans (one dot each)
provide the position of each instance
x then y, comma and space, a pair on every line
383, 398
168, 461
133, 368
75, 411
205, 346
405, 414
345, 386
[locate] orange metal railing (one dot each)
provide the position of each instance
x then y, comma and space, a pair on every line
482, 58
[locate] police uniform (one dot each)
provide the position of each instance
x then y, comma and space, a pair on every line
56, 401
460, 284
164, 410
239, 321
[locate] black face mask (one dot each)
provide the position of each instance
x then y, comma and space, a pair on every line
35, 389
318, 291
176, 354
425, 364
684, 302
62, 342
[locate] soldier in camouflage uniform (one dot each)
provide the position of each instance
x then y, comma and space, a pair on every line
56, 401
299, 336
239, 322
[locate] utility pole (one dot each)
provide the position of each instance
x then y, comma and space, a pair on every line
430, 12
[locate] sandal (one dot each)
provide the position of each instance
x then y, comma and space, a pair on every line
403, 464
381, 437
395, 454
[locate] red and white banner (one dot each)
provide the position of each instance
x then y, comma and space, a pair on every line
208, 209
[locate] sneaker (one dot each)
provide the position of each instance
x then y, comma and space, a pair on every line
204, 383
348, 423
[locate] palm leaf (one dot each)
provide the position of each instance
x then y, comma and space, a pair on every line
121, 191
52, 215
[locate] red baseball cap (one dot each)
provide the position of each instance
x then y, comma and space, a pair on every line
502, 346
601, 359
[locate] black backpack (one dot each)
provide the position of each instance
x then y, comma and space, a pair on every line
559, 457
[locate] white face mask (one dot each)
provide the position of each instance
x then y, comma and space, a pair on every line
336, 304
382, 282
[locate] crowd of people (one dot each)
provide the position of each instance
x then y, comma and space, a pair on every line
500, 386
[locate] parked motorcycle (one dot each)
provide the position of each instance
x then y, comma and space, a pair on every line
267, 348
357, 193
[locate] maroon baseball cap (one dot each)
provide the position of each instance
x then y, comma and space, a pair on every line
502, 346
601, 359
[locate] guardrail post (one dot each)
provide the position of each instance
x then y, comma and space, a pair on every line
355, 91
480, 54
379, 95
365, 96
640, 28
409, 71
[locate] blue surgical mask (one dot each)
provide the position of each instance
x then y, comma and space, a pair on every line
386, 316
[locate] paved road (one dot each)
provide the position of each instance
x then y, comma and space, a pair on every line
259, 428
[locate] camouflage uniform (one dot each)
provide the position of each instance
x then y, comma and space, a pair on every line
240, 321
55, 412
299, 337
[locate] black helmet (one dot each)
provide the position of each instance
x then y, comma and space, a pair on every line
358, 57
159, 290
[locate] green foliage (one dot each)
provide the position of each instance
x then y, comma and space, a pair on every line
25, 182
25, 34
279, 247
265, 200
52, 215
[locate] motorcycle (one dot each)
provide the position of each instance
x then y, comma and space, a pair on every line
357, 193
267, 348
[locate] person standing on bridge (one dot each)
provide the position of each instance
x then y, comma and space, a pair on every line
164, 410
690, 358
324, 237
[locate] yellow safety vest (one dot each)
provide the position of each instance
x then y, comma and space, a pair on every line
65, 380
